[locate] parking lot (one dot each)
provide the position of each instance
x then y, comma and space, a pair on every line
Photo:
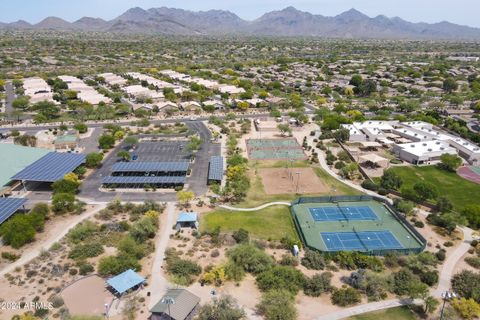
162, 150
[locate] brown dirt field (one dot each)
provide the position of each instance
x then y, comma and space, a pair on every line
276, 181
87, 296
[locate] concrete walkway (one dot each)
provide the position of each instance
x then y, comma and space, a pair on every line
448, 266
263, 206
158, 284
35, 251
368, 307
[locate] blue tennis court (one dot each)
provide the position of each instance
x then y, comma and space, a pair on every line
363, 240
359, 213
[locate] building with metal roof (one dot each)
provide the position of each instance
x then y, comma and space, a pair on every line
125, 281
187, 220
215, 169
51, 167
177, 304
8, 206
15, 158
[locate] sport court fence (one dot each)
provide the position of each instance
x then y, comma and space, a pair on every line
393, 212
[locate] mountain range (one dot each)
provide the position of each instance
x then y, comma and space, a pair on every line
286, 22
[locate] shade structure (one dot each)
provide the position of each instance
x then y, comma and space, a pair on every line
8, 206
144, 180
150, 167
125, 281
51, 167
215, 169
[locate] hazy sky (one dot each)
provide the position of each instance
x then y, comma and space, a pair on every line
458, 11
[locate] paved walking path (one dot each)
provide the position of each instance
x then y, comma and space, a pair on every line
35, 251
263, 206
158, 284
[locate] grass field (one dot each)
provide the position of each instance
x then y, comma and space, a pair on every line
270, 223
458, 190
399, 313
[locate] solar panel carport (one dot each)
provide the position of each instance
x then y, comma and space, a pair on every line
8, 206
215, 169
170, 168
51, 167
140, 181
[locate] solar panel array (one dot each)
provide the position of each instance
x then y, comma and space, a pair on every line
9, 206
215, 170
51, 167
150, 167
143, 180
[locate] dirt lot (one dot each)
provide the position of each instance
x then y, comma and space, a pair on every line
279, 181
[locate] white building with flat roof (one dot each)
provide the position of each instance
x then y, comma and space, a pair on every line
84, 92
139, 91
113, 79
37, 89
423, 152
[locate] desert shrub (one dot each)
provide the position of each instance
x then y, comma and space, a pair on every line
419, 224
429, 277
241, 236
473, 261
345, 297
281, 278
288, 260
441, 255
251, 258
277, 305
82, 232
113, 265
83, 251
223, 308
234, 272
183, 271
369, 185
10, 256
313, 260
467, 285
85, 268
318, 284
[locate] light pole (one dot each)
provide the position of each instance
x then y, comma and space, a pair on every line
168, 301
447, 295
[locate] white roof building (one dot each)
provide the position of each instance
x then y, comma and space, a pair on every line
113, 79
139, 91
37, 89
424, 152
230, 89
84, 92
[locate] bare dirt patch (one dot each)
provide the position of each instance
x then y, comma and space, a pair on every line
281, 181
87, 296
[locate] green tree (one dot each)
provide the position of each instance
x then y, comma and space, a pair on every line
467, 285
194, 144
472, 214
356, 80
93, 160
21, 103
250, 258
450, 162
63, 202
444, 204
284, 128
185, 196
17, 231
425, 190
449, 85
106, 141
130, 141
124, 155
81, 127
65, 186
390, 180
